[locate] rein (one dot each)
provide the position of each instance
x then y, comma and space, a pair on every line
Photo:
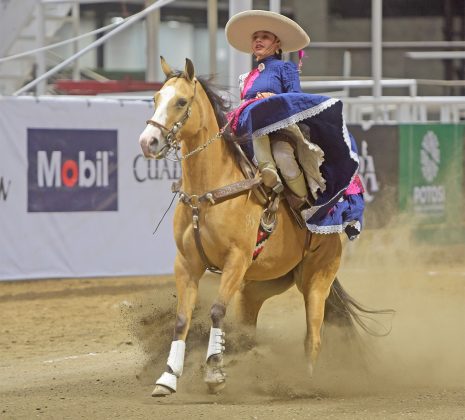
206, 144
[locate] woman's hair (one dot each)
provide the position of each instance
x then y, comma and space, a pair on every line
279, 54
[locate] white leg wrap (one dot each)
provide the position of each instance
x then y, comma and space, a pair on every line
176, 357
168, 380
215, 343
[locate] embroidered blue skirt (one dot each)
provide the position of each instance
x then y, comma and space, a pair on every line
323, 116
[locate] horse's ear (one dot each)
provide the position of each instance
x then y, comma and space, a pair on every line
189, 70
165, 67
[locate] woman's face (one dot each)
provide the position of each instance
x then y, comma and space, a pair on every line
264, 44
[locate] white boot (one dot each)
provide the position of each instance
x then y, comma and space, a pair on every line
298, 185
266, 163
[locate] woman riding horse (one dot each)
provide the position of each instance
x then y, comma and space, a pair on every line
323, 176
216, 220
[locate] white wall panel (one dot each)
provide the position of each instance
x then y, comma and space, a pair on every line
90, 234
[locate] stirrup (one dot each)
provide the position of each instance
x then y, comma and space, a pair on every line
278, 188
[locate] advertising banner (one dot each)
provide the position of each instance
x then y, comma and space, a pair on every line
77, 198
72, 170
378, 149
431, 174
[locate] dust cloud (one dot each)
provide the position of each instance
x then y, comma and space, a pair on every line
424, 347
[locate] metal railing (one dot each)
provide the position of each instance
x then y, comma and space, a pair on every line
130, 21
402, 109
362, 110
366, 110
345, 85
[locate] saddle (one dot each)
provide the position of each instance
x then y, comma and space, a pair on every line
269, 198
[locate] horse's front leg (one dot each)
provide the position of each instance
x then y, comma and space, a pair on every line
231, 280
187, 282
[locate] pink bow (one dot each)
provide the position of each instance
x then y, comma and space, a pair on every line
301, 55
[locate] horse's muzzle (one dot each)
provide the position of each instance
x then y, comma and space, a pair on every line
150, 146
154, 146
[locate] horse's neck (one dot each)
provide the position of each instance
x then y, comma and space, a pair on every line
211, 168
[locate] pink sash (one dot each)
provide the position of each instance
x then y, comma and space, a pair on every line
233, 116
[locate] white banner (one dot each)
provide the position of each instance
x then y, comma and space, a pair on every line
77, 199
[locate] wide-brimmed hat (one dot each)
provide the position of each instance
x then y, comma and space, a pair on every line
241, 27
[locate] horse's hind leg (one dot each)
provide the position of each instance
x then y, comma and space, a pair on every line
231, 280
251, 297
187, 281
314, 278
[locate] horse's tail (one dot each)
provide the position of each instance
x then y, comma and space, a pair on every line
343, 310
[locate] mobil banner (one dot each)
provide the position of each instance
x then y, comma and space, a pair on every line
77, 198
431, 173
72, 170
378, 149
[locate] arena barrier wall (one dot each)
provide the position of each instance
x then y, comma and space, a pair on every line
378, 149
77, 198
431, 183
414, 171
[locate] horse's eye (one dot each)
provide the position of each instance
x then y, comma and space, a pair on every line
181, 102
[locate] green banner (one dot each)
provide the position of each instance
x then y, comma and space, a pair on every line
431, 173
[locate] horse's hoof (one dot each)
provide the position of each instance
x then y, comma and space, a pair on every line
161, 391
215, 378
215, 388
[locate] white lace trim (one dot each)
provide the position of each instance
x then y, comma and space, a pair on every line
307, 214
353, 155
303, 115
345, 134
293, 119
242, 78
326, 230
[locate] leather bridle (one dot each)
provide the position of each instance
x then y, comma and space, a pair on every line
171, 134
211, 197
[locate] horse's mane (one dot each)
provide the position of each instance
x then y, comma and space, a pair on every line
221, 106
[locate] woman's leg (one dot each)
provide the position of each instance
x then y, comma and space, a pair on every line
283, 153
266, 163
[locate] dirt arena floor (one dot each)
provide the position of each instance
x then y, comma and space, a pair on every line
92, 348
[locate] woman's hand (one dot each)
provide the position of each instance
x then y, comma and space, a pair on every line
263, 95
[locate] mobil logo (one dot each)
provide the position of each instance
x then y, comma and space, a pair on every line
54, 171
72, 170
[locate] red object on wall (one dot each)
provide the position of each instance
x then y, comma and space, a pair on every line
92, 87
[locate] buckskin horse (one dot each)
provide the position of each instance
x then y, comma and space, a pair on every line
216, 223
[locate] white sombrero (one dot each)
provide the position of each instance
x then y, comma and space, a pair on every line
240, 28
